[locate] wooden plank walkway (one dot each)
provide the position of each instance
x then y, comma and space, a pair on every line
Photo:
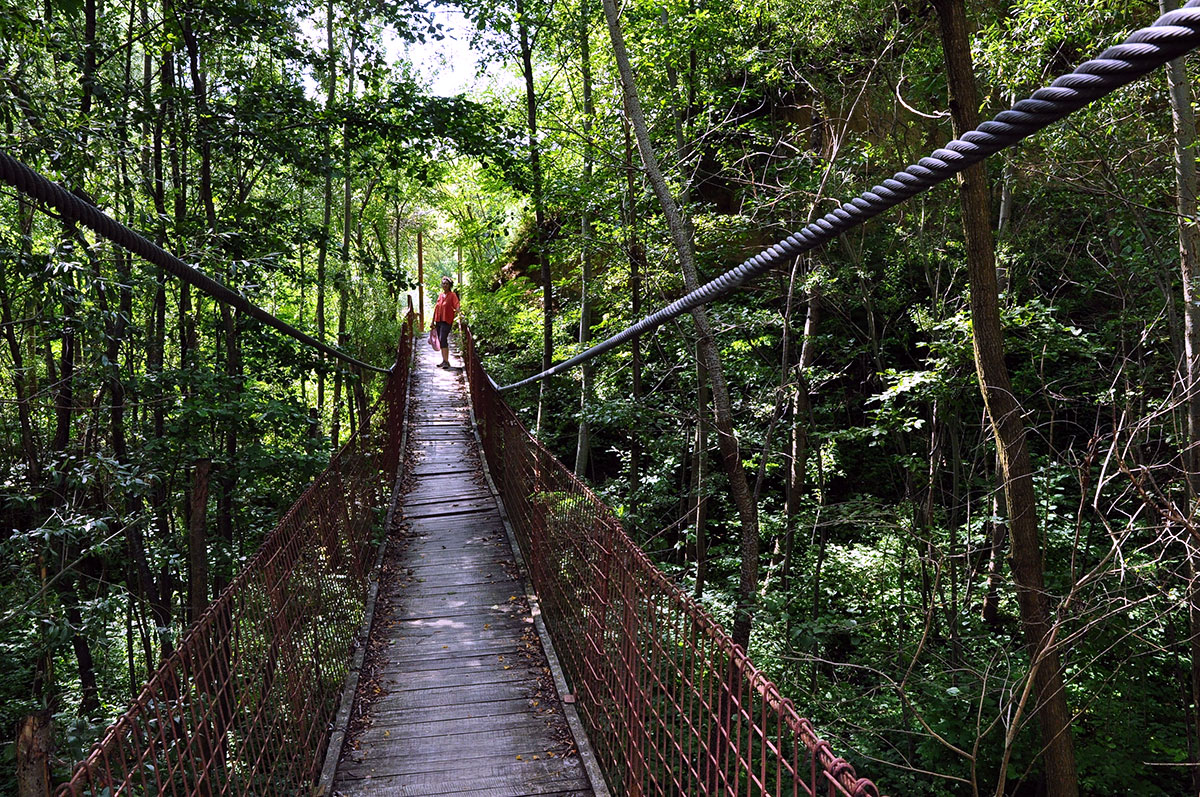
456, 696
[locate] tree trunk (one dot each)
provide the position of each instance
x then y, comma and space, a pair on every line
89, 703
327, 213
997, 534
64, 403
1006, 205
229, 471
801, 432
1005, 413
20, 379
583, 441
636, 262
727, 441
1184, 128
198, 541
343, 277
34, 740
539, 212
699, 474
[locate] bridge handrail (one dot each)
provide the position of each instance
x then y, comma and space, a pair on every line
671, 705
244, 705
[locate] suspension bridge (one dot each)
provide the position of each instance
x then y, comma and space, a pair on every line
258, 697
405, 656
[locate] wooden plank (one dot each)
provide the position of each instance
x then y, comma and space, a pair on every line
455, 589
483, 734
448, 615
480, 520
456, 660
461, 582
464, 528
453, 633
459, 510
512, 778
438, 468
397, 680
433, 569
445, 575
465, 695
447, 754
426, 545
428, 491
452, 531
456, 633
456, 557
410, 651
401, 718
434, 580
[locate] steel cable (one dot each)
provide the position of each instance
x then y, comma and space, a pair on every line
29, 182
1172, 35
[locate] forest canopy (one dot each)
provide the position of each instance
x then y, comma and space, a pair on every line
939, 476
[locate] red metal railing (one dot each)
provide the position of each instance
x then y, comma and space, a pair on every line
245, 705
672, 706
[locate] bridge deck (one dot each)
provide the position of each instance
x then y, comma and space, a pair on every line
456, 696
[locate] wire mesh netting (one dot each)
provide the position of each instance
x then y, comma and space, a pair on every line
245, 705
671, 705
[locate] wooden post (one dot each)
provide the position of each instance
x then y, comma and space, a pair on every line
421, 278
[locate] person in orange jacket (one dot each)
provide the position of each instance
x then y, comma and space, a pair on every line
443, 317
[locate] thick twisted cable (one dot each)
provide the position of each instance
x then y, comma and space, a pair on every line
1173, 34
29, 182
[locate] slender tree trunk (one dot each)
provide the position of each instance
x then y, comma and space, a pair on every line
343, 278
583, 441
198, 541
64, 404
89, 703
537, 244
722, 407
1184, 128
952, 522
157, 337
636, 267
327, 212
1006, 206
229, 471
172, 116
815, 609
421, 276
996, 530
801, 432
20, 379
699, 476
1054, 717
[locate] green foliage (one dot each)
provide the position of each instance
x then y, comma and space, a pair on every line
876, 568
